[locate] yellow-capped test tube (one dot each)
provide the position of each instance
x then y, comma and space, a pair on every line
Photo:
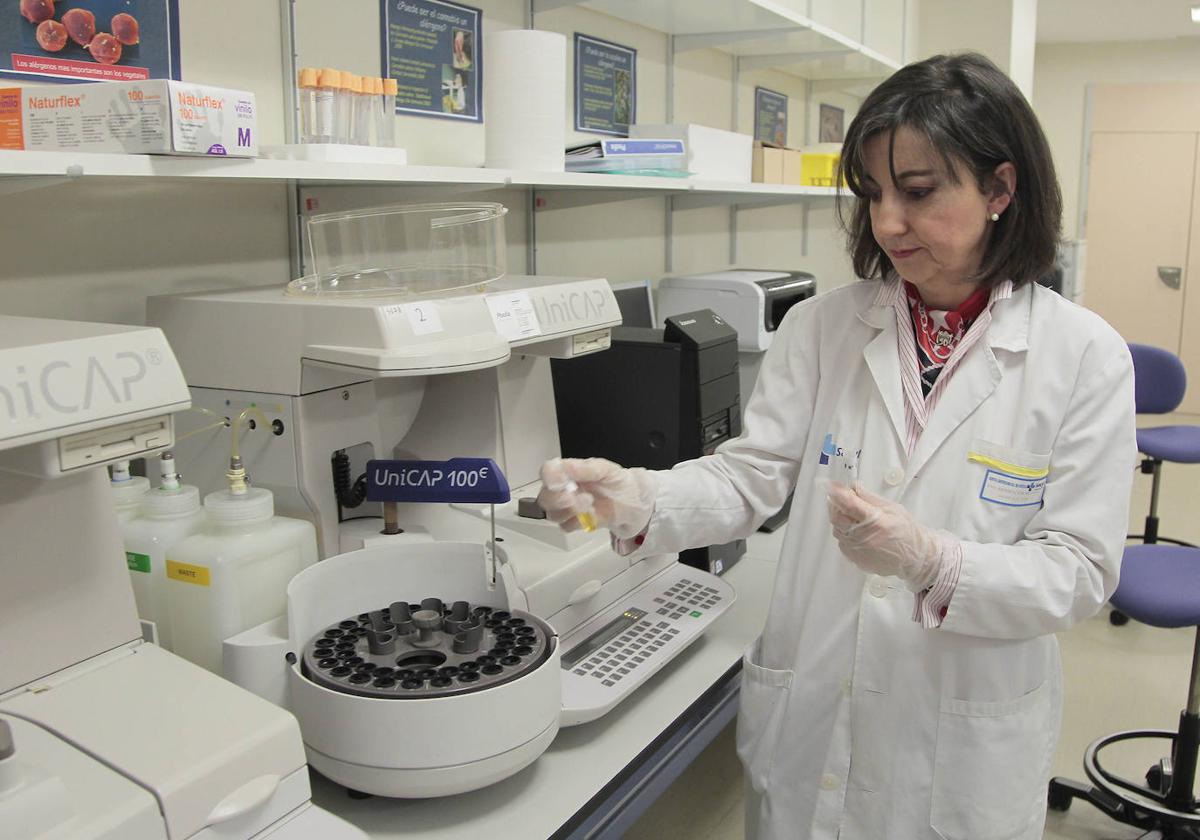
587, 519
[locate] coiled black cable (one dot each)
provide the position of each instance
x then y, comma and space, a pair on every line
350, 493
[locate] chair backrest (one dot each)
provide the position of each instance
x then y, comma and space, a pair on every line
1159, 379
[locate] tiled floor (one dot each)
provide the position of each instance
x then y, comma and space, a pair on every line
1116, 678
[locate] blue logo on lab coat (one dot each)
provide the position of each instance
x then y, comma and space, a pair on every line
828, 449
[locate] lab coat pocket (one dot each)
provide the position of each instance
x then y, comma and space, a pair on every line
1006, 487
761, 708
991, 765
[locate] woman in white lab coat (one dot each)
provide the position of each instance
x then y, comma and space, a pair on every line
961, 445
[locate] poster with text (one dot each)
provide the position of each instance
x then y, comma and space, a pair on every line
434, 51
605, 86
89, 40
770, 116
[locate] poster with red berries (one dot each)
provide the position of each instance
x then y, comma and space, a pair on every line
89, 40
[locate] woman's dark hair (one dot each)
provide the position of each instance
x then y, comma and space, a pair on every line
970, 112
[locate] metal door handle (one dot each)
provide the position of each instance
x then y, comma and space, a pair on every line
1171, 275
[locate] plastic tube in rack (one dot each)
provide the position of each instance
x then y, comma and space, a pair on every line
329, 83
307, 83
387, 137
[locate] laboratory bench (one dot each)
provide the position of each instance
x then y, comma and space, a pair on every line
597, 778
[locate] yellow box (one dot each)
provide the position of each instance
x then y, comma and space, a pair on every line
819, 169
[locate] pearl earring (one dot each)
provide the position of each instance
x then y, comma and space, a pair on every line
995, 217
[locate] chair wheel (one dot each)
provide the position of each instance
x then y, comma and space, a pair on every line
1117, 618
1058, 799
1154, 778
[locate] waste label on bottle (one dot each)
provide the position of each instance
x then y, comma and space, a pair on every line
188, 573
138, 562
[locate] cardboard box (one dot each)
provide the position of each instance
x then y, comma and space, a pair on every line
712, 153
157, 116
775, 164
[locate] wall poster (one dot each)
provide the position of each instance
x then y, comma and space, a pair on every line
770, 116
605, 86
434, 51
89, 40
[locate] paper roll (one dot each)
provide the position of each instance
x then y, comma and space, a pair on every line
525, 100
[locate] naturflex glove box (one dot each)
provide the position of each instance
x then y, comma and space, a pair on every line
156, 116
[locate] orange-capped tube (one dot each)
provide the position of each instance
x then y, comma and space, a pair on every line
306, 84
322, 126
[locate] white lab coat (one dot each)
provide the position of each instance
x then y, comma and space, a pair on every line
856, 722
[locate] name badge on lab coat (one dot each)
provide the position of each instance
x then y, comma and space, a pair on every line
1010, 484
1012, 490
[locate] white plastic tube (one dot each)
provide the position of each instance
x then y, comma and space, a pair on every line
306, 83
387, 124
329, 83
344, 124
362, 111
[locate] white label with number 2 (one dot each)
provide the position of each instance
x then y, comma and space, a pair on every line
423, 317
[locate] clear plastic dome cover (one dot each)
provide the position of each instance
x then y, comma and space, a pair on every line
412, 249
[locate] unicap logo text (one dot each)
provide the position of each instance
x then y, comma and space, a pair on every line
569, 307
68, 387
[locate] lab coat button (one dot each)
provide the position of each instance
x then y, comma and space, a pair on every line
829, 782
846, 687
878, 588
893, 476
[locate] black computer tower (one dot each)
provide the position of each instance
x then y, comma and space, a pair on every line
654, 399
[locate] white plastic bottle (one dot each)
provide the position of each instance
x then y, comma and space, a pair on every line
232, 574
127, 491
168, 517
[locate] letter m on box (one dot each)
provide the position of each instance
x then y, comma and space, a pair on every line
244, 137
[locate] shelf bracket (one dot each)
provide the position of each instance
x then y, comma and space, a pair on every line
669, 235
704, 40
733, 235
759, 62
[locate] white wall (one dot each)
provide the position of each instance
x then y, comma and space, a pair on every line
95, 250
1061, 75
947, 26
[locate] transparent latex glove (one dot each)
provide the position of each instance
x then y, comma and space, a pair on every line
881, 537
619, 499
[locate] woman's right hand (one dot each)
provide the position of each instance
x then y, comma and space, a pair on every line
621, 499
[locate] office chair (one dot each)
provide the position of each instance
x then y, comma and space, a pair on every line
1160, 382
1160, 586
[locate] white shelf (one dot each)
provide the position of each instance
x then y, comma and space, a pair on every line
14, 164
762, 33
28, 170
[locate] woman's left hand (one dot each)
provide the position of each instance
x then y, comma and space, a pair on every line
881, 537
